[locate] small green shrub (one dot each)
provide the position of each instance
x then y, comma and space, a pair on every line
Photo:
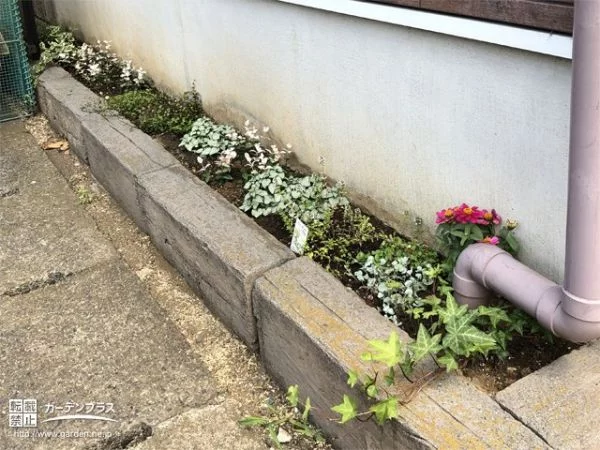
155, 112
265, 192
339, 237
309, 199
217, 147
58, 47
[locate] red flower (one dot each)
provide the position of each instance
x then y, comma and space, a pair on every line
468, 214
445, 216
490, 217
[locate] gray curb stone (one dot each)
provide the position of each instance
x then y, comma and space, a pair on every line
117, 157
67, 104
561, 400
219, 251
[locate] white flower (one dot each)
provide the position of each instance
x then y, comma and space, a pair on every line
94, 69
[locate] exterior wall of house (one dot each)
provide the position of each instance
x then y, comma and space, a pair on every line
412, 120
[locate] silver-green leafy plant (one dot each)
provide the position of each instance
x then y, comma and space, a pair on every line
58, 48
397, 284
309, 199
216, 145
96, 64
265, 192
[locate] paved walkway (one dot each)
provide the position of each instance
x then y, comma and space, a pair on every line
93, 321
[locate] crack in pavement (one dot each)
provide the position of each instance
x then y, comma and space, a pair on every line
49, 279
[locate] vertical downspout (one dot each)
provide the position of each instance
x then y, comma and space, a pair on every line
573, 310
582, 262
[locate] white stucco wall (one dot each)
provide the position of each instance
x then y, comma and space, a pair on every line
412, 119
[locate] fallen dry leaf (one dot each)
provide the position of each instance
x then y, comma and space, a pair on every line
56, 144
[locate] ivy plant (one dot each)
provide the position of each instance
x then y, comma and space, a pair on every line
453, 335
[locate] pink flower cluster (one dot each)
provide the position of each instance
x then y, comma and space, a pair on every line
468, 214
465, 214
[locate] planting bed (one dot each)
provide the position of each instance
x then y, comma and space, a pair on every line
308, 329
527, 353
169, 118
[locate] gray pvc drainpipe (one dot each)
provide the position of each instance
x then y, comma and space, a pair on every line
571, 311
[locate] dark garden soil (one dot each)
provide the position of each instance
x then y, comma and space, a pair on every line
528, 353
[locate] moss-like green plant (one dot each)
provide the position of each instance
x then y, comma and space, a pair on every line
155, 112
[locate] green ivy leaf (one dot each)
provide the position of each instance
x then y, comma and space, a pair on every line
495, 314
448, 361
385, 410
453, 311
372, 390
347, 409
389, 352
353, 378
425, 344
463, 338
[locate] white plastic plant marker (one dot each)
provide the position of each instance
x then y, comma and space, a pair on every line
299, 237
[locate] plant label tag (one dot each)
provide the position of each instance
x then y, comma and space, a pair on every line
299, 237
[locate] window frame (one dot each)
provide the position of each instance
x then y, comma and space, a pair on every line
549, 15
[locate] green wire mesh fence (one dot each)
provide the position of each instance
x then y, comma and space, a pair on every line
16, 90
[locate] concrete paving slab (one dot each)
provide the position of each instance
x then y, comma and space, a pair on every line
560, 401
42, 232
95, 338
202, 429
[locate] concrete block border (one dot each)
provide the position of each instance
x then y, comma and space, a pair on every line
307, 327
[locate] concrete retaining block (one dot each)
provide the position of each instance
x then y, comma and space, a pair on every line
115, 149
219, 250
312, 330
117, 157
560, 401
67, 104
